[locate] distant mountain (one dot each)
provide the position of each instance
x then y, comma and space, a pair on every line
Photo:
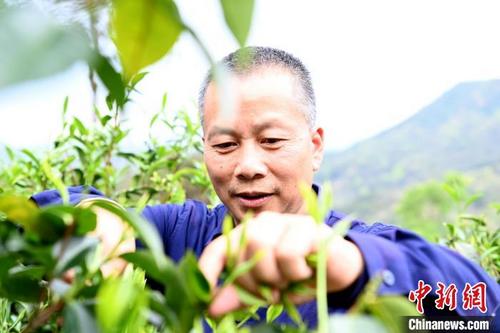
459, 131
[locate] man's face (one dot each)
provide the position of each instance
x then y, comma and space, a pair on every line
258, 154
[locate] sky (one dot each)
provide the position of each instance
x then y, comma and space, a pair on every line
373, 64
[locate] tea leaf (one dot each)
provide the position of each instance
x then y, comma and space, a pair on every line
111, 79
244, 267
72, 252
238, 15
195, 280
144, 31
273, 312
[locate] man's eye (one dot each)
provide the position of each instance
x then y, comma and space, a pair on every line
271, 141
225, 146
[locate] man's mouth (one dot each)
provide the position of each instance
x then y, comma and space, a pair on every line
253, 199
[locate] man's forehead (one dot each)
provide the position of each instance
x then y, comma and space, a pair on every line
268, 81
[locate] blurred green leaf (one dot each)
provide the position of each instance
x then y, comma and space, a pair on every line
238, 15
19, 210
126, 299
291, 310
22, 289
144, 31
86, 221
15, 286
32, 272
391, 310
34, 45
355, 323
77, 319
57, 181
72, 252
196, 282
111, 79
144, 259
52, 222
311, 201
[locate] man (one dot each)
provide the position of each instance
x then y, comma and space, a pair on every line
256, 156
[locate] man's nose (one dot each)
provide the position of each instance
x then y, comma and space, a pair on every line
251, 163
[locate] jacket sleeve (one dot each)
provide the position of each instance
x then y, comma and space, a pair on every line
185, 227
403, 258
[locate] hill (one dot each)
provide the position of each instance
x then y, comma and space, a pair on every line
459, 131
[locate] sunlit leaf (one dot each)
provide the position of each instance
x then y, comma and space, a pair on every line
19, 210
58, 183
128, 301
273, 312
144, 31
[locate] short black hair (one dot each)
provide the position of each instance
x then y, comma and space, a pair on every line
247, 60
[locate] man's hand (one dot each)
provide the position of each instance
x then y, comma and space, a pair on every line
285, 241
116, 238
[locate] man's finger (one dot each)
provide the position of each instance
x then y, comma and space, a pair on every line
213, 259
226, 300
266, 269
293, 247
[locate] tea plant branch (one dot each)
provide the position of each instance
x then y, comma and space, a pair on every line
43, 316
201, 45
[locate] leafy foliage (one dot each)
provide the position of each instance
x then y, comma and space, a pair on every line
55, 242
93, 156
441, 212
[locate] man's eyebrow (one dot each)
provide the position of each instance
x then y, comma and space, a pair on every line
220, 131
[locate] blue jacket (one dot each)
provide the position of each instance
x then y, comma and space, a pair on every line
402, 257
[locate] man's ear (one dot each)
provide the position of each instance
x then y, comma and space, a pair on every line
318, 146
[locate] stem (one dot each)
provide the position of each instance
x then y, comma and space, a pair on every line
200, 45
95, 41
321, 289
42, 317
